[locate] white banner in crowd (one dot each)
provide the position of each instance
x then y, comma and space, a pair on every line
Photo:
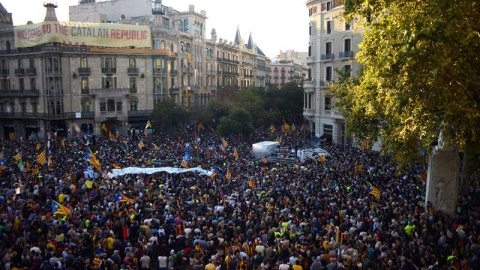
136, 170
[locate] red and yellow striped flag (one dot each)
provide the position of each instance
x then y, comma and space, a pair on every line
42, 158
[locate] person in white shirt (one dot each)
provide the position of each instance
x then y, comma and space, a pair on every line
162, 262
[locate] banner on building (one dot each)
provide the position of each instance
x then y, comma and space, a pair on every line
89, 34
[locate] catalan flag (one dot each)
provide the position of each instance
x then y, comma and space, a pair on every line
251, 183
422, 176
63, 143
214, 174
50, 160
235, 153
279, 140
224, 142
122, 198
321, 159
222, 148
17, 157
229, 175
59, 209
156, 147
145, 132
140, 145
184, 164
373, 190
90, 157
200, 126
35, 171
3, 164
117, 134
272, 128
110, 136
38, 146
116, 166
104, 128
27, 169
149, 125
264, 160
42, 158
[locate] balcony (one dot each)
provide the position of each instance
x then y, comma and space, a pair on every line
161, 71
19, 71
346, 55
309, 84
110, 91
310, 59
260, 77
4, 72
174, 90
21, 115
83, 71
133, 90
139, 113
173, 72
54, 92
211, 72
51, 70
132, 71
158, 11
327, 57
219, 72
19, 93
31, 71
109, 70
85, 91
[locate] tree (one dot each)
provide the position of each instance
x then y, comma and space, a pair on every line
421, 75
238, 121
168, 115
251, 100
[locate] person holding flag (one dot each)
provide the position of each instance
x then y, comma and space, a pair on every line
58, 209
235, 154
90, 158
119, 197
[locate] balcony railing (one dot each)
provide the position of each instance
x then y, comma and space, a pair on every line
19, 93
110, 91
160, 71
211, 72
4, 72
86, 91
327, 57
310, 59
309, 84
51, 70
347, 54
109, 70
174, 90
133, 90
139, 113
21, 115
158, 11
54, 92
132, 71
174, 72
260, 77
84, 71
19, 71
31, 71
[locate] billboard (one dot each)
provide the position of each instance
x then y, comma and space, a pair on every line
89, 34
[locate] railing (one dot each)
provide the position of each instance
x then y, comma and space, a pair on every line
174, 90
31, 71
19, 71
22, 93
4, 72
211, 72
132, 71
310, 59
309, 84
327, 56
84, 71
109, 70
21, 115
158, 11
54, 92
133, 90
53, 70
139, 113
110, 91
347, 54
159, 71
261, 77
219, 72
86, 91
174, 72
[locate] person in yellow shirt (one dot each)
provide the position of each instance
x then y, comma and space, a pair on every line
297, 266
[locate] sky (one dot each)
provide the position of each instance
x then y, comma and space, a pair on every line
275, 24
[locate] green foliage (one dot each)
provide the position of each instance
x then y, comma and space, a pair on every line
251, 101
288, 99
168, 115
238, 121
421, 74
214, 111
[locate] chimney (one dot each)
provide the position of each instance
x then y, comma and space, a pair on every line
51, 16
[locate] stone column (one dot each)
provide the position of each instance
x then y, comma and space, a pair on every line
443, 180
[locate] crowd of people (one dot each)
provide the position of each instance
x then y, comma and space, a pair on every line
252, 214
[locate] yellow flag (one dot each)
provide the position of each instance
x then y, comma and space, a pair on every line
104, 128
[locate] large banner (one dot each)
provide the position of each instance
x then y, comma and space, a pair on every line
77, 33
170, 170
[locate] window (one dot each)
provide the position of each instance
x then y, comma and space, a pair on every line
162, 45
59, 107
34, 107
329, 27
347, 45
83, 62
133, 105
348, 70
347, 26
9, 108
109, 62
328, 74
171, 47
31, 62
109, 82
328, 103
84, 85
53, 64
20, 63
182, 46
33, 83
133, 85
111, 105
185, 26
166, 22
157, 44
328, 47
86, 105
103, 106
131, 63
4, 64
119, 106
329, 6
23, 107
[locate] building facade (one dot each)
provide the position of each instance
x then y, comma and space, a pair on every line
67, 90
332, 47
286, 71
